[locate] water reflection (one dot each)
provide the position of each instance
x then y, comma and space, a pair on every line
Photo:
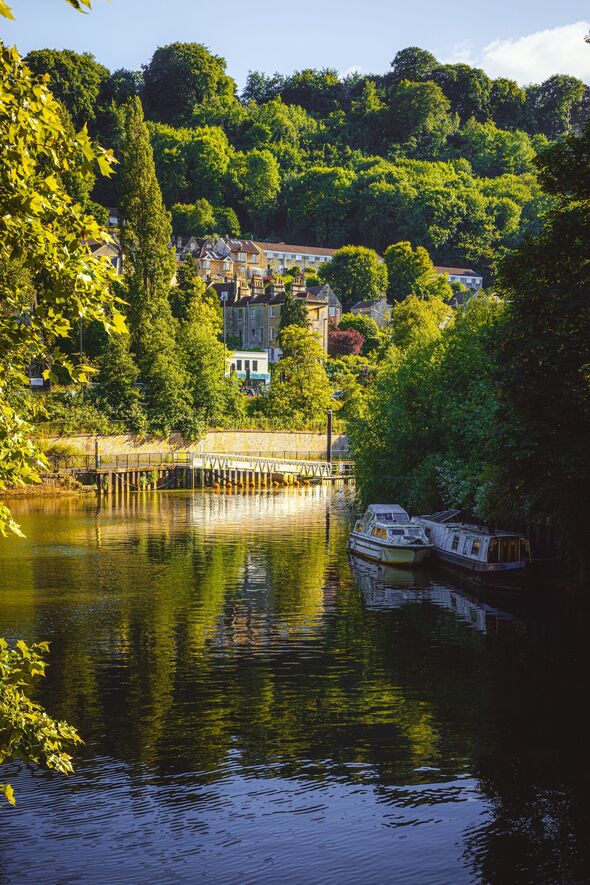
257, 708
388, 587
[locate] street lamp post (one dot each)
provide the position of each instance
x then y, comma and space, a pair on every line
224, 297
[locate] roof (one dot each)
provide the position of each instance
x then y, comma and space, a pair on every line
324, 291
299, 250
458, 271
372, 302
381, 509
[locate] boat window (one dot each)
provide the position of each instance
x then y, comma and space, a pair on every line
475, 547
455, 543
396, 531
493, 551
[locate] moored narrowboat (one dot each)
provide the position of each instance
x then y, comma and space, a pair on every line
481, 553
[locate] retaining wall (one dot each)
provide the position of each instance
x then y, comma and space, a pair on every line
244, 442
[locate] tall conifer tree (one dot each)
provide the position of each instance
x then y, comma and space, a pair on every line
149, 265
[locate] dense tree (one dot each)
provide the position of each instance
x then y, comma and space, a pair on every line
194, 219
181, 77
118, 392
261, 87
412, 64
47, 273
492, 151
256, 178
411, 272
345, 342
467, 89
355, 274
507, 103
75, 79
545, 354
191, 163
216, 399
319, 204
552, 106
367, 327
145, 233
299, 390
294, 312
420, 117
428, 432
201, 219
318, 91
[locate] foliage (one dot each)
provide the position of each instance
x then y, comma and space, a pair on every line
145, 235
348, 342
294, 312
201, 219
76, 80
118, 393
367, 327
255, 177
544, 354
427, 436
191, 164
411, 272
299, 391
355, 274
71, 410
181, 78
27, 732
47, 272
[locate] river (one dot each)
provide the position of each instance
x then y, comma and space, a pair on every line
255, 711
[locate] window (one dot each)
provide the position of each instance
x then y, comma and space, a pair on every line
207, 263
242, 257
239, 365
254, 365
455, 543
475, 547
298, 258
247, 365
226, 265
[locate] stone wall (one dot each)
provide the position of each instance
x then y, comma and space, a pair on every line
247, 442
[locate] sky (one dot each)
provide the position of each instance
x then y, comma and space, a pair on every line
528, 40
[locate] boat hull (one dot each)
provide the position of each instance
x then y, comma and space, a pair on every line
408, 555
499, 575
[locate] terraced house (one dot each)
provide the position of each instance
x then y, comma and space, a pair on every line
253, 311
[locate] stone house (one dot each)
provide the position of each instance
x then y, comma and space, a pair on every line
379, 310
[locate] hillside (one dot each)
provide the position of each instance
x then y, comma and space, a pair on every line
438, 154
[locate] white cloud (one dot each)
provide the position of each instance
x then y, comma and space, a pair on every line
534, 57
354, 69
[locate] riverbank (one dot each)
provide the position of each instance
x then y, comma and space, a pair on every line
54, 485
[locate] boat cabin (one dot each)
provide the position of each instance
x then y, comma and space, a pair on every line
478, 546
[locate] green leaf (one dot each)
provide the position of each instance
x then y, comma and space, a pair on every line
5, 10
6, 788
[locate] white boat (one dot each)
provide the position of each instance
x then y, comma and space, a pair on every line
386, 534
477, 551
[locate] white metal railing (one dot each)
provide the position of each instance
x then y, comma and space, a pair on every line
218, 461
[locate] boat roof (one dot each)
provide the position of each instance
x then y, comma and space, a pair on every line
395, 509
447, 518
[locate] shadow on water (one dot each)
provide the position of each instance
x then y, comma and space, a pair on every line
257, 707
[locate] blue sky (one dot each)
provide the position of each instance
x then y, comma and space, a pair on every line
525, 39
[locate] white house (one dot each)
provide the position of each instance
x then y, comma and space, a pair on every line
249, 365
464, 275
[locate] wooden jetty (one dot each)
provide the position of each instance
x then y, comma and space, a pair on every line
186, 470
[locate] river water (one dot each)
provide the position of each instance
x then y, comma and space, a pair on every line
254, 710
